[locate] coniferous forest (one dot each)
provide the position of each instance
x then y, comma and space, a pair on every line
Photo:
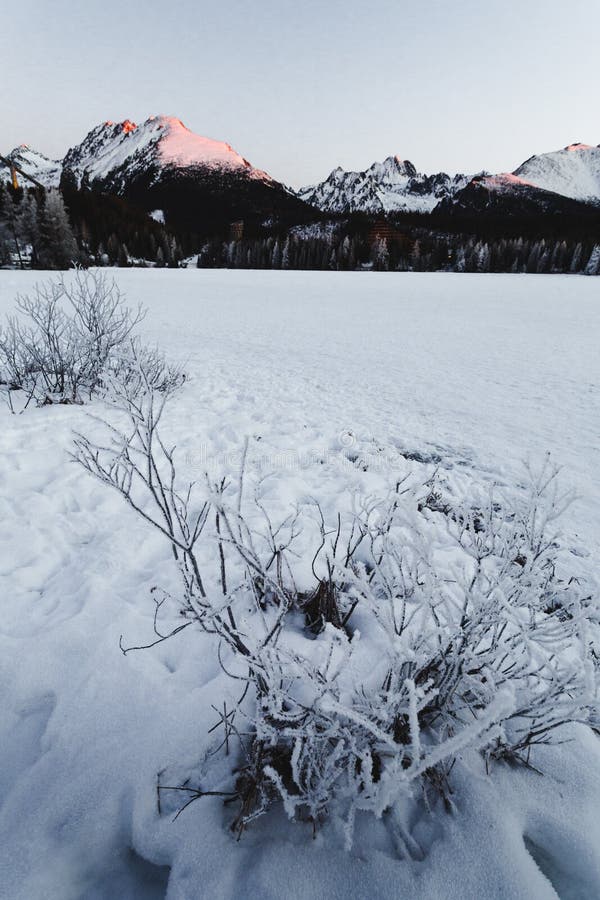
57, 228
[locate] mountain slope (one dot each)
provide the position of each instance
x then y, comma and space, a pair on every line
573, 172
46, 171
199, 183
202, 185
114, 153
393, 185
561, 182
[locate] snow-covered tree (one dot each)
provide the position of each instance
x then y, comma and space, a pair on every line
57, 245
576, 258
276, 258
593, 263
380, 256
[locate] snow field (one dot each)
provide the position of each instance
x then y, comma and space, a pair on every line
319, 371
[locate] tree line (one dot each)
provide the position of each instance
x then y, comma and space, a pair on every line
54, 229
421, 252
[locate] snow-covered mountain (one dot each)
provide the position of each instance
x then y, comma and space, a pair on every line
199, 183
560, 181
573, 172
113, 154
160, 165
393, 185
164, 168
46, 171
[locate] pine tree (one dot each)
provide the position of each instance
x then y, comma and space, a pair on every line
113, 247
576, 259
276, 258
415, 257
533, 258
57, 245
27, 221
559, 254
593, 263
123, 259
231, 248
380, 256
346, 255
9, 215
102, 256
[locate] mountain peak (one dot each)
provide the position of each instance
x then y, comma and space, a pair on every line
160, 164
115, 152
573, 172
46, 171
393, 167
125, 126
400, 162
166, 121
393, 185
181, 147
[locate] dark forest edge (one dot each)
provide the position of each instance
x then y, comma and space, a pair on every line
56, 229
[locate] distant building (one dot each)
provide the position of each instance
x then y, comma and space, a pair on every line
236, 231
382, 229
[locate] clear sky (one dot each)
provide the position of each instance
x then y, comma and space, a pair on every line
301, 86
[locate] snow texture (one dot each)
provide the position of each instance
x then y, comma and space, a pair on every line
467, 374
46, 171
119, 151
116, 152
393, 185
573, 172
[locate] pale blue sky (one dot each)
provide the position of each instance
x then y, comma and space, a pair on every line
299, 86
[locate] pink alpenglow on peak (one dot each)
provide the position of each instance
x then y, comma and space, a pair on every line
506, 180
125, 126
180, 146
572, 172
114, 152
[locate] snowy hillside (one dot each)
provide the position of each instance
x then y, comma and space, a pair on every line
115, 153
548, 183
573, 172
340, 387
160, 158
393, 185
199, 184
46, 171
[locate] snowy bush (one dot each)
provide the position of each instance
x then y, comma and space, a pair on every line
373, 649
72, 338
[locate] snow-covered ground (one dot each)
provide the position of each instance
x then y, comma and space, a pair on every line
471, 373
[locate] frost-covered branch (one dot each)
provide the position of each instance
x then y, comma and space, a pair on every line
375, 643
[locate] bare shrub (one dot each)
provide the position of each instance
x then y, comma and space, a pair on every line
138, 369
66, 336
429, 629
